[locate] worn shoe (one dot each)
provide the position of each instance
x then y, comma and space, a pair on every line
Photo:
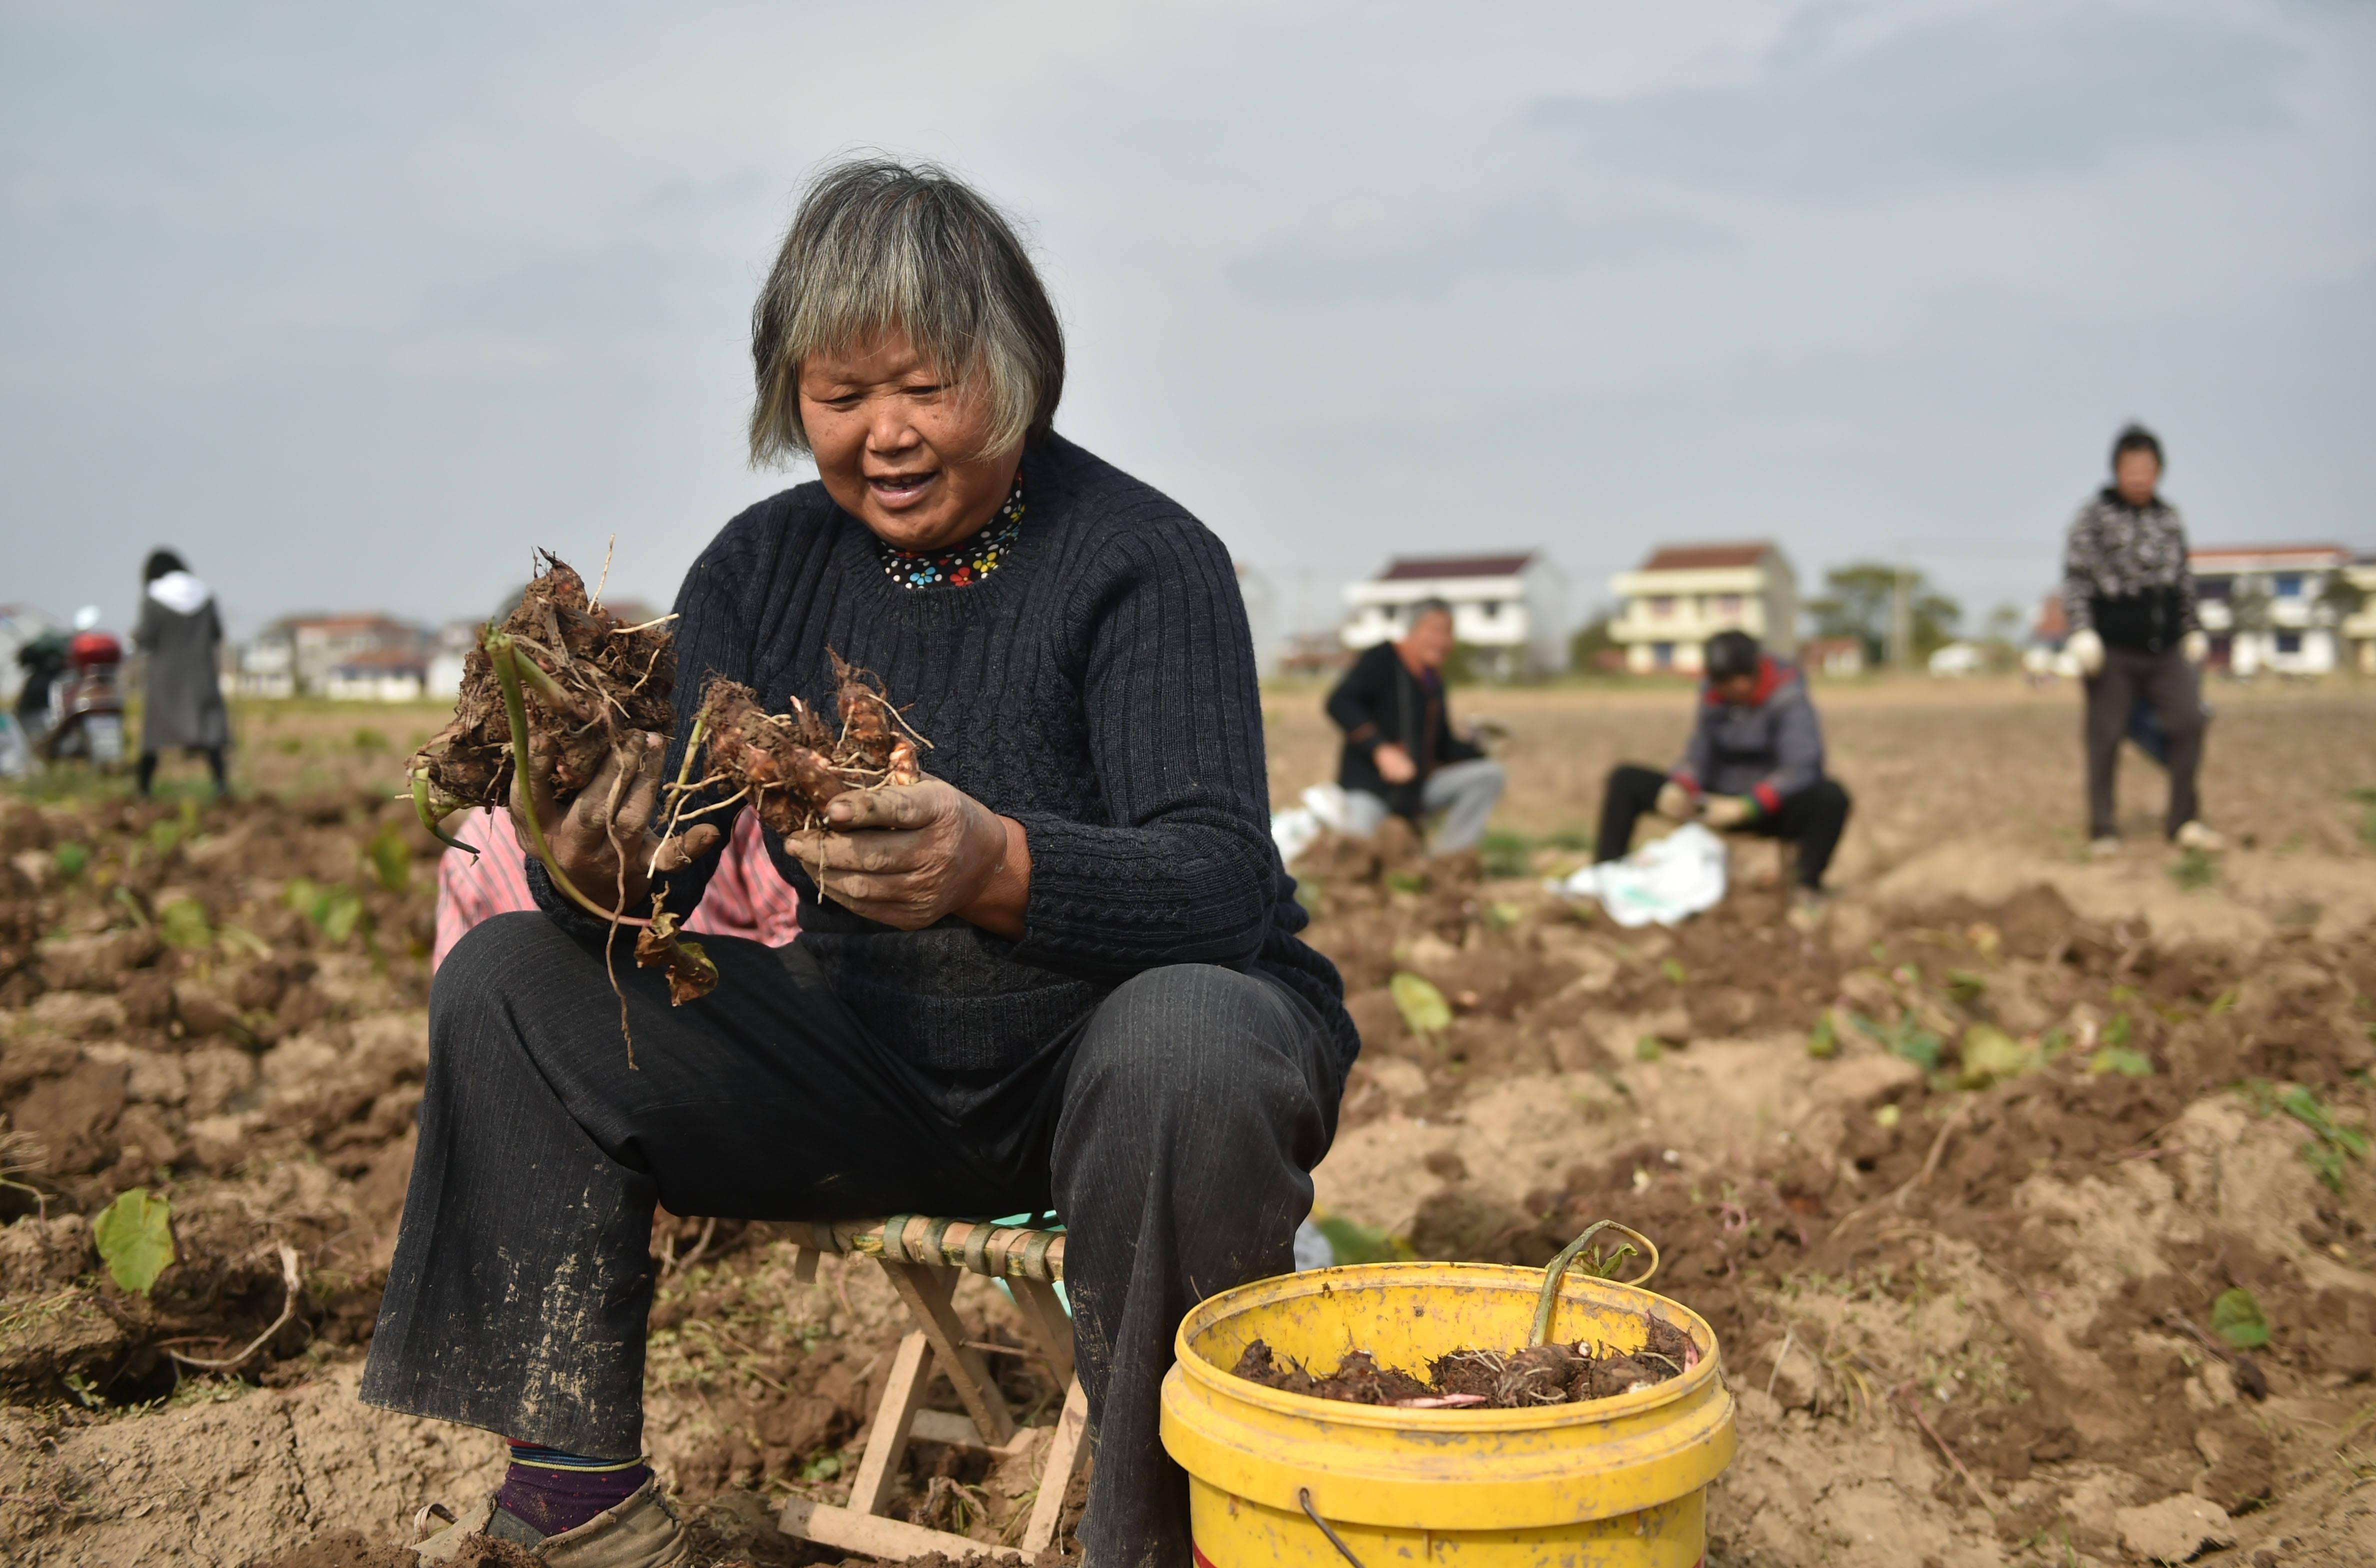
642, 1532
2104, 849
2198, 836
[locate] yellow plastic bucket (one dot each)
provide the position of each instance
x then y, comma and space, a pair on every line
1602, 1484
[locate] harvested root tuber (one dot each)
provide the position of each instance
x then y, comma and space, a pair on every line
692, 974
561, 681
589, 682
791, 765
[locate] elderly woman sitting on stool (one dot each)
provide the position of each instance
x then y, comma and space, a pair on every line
1061, 972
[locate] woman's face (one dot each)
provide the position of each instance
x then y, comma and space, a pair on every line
2135, 475
899, 447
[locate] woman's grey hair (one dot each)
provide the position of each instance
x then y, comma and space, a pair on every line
878, 245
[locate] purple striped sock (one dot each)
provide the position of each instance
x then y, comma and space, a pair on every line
549, 1491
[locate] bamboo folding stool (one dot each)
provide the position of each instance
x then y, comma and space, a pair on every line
924, 1256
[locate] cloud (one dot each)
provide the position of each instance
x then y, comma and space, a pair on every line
1993, 96
1545, 232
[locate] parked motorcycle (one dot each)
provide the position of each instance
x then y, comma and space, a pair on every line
86, 704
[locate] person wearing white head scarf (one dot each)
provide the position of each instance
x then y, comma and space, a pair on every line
181, 632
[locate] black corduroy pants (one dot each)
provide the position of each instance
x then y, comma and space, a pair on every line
1814, 818
1172, 1129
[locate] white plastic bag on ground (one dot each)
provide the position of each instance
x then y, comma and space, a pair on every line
1663, 882
1294, 830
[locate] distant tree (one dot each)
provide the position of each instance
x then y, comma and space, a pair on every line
1855, 603
2249, 607
1591, 640
2342, 597
2005, 626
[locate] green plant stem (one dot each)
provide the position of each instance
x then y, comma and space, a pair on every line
1557, 1272
504, 657
429, 817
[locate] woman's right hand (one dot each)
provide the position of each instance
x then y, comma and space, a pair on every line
1395, 764
608, 857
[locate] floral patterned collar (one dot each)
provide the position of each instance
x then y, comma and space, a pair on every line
964, 565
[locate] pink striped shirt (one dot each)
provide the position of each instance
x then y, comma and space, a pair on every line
746, 895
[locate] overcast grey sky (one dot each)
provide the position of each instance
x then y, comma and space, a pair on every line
355, 305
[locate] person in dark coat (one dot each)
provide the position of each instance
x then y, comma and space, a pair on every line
1755, 764
1402, 756
1060, 971
181, 632
2137, 638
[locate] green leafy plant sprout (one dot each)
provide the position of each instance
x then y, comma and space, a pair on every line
2236, 1317
2195, 868
390, 858
1907, 1038
335, 911
135, 1236
1424, 1010
182, 922
1349, 1242
1506, 853
2367, 798
71, 859
2125, 1060
2330, 1143
1674, 969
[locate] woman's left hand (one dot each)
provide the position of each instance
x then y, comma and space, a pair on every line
908, 855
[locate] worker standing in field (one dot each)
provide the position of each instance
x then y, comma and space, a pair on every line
1402, 757
180, 630
2134, 633
1754, 763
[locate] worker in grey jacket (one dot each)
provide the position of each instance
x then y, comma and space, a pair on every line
2129, 598
1755, 764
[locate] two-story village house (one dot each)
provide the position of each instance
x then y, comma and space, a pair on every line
1685, 594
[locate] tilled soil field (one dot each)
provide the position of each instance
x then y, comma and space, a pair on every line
2026, 1196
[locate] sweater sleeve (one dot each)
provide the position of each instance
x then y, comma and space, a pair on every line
1797, 751
1353, 705
1181, 869
2189, 612
1699, 752
2079, 563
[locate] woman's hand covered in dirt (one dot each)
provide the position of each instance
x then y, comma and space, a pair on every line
612, 814
912, 854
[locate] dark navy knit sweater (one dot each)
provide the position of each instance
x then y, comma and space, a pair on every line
1099, 688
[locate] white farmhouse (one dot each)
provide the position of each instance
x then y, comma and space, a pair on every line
2358, 628
2267, 606
1509, 610
1685, 594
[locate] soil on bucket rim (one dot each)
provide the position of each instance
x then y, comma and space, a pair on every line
1487, 1380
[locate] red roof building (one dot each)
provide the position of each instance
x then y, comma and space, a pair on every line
1509, 609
